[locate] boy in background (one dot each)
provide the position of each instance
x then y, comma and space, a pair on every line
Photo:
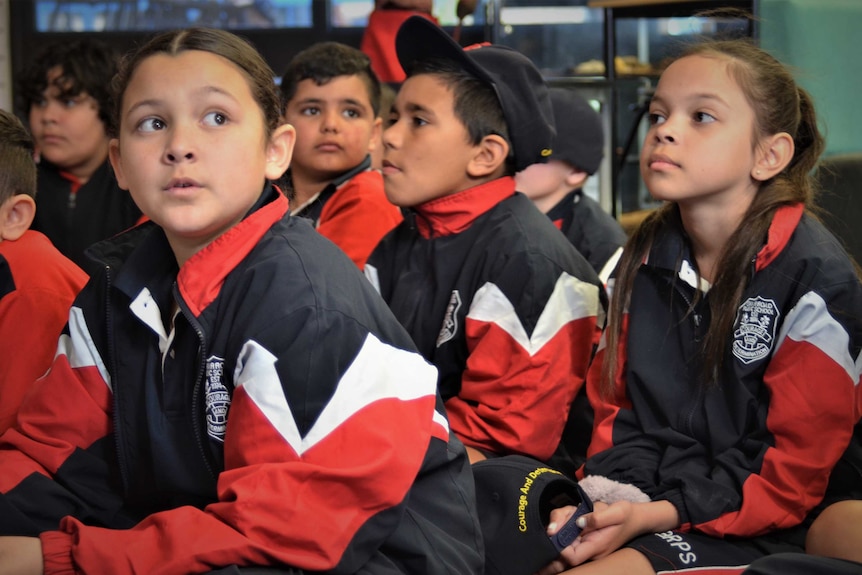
37, 283
66, 93
332, 98
490, 291
556, 186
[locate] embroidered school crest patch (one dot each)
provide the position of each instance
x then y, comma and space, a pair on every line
450, 320
216, 398
754, 335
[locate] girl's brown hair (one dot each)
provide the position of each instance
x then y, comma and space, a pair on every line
779, 106
225, 44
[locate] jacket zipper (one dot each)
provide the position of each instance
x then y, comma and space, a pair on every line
196, 393
697, 321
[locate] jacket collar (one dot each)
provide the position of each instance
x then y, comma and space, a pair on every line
780, 231
314, 206
452, 214
671, 249
202, 276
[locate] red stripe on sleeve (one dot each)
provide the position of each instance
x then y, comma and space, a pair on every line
69, 408
811, 415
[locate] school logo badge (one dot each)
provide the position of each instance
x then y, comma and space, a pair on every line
217, 399
450, 320
754, 335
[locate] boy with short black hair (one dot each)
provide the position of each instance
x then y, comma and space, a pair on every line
37, 283
491, 292
332, 98
556, 186
65, 90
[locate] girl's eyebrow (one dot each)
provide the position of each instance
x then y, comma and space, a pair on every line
204, 90
697, 97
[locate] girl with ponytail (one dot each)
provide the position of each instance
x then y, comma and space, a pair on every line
725, 389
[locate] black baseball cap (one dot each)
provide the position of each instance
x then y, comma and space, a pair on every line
515, 496
580, 135
519, 85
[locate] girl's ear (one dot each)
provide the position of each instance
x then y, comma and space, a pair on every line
117, 163
16, 215
773, 155
279, 151
490, 155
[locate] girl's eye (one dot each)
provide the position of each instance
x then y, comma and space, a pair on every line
70, 102
655, 119
151, 125
215, 119
703, 117
419, 122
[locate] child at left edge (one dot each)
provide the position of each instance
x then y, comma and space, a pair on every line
37, 282
332, 99
229, 390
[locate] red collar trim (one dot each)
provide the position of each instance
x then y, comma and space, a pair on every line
74, 180
202, 276
454, 213
783, 225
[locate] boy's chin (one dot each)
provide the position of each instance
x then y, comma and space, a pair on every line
401, 202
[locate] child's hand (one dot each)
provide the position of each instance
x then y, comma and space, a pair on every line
608, 528
605, 530
559, 517
571, 556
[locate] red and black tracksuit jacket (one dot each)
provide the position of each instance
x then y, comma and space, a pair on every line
503, 305
755, 453
74, 216
37, 287
285, 420
352, 211
594, 232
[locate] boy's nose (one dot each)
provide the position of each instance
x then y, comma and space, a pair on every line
50, 112
330, 122
390, 135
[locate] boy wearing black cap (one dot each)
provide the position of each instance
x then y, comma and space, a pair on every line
556, 186
491, 292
